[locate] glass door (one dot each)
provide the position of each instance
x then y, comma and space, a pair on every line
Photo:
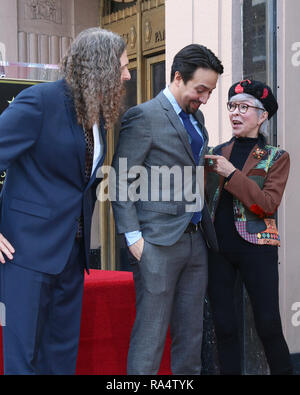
155, 75
259, 47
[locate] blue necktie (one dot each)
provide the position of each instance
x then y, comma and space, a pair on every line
196, 145
197, 140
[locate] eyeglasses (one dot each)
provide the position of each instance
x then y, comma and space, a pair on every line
243, 108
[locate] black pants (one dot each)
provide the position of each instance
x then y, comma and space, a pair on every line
259, 272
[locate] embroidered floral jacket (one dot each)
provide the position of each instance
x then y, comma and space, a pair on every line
257, 190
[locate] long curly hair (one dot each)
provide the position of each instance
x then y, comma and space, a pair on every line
92, 71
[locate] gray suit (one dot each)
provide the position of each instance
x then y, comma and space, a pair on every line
171, 277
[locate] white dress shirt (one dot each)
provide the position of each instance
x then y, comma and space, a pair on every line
98, 147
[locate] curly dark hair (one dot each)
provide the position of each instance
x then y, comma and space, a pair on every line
91, 68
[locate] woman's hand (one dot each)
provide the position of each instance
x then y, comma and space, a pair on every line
221, 165
5, 249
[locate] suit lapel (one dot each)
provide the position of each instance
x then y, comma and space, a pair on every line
226, 152
251, 161
199, 118
227, 149
78, 135
175, 121
77, 130
101, 161
253, 158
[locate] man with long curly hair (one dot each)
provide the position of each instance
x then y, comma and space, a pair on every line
52, 141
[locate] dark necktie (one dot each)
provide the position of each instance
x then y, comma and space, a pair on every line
89, 156
89, 153
196, 145
197, 141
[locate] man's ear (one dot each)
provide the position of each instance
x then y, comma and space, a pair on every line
177, 78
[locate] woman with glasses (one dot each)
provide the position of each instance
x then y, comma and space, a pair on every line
245, 181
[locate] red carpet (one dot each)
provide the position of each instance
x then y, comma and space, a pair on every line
107, 318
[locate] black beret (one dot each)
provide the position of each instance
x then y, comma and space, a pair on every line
259, 90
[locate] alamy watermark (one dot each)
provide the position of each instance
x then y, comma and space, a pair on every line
296, 316
152, 184
296, 54
2, 314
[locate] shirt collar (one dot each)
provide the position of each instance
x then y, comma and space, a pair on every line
169, 95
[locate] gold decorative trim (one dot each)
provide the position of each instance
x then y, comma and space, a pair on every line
20, 81
146, 5
120, 15
147, 31
149, 4
132, 37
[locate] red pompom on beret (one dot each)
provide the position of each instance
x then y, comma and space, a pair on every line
259, 90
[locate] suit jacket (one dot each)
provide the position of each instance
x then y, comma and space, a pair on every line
42, 147
153, 136
257, 190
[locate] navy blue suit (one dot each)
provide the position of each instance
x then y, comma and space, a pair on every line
42, 147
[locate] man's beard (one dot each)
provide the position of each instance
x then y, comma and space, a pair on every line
192, 109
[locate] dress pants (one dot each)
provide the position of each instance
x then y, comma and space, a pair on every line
259, 272
170, 284
43, 314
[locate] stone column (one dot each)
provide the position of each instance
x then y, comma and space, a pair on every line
33, 48
54, 49
23, 47
44, 49
9, 29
